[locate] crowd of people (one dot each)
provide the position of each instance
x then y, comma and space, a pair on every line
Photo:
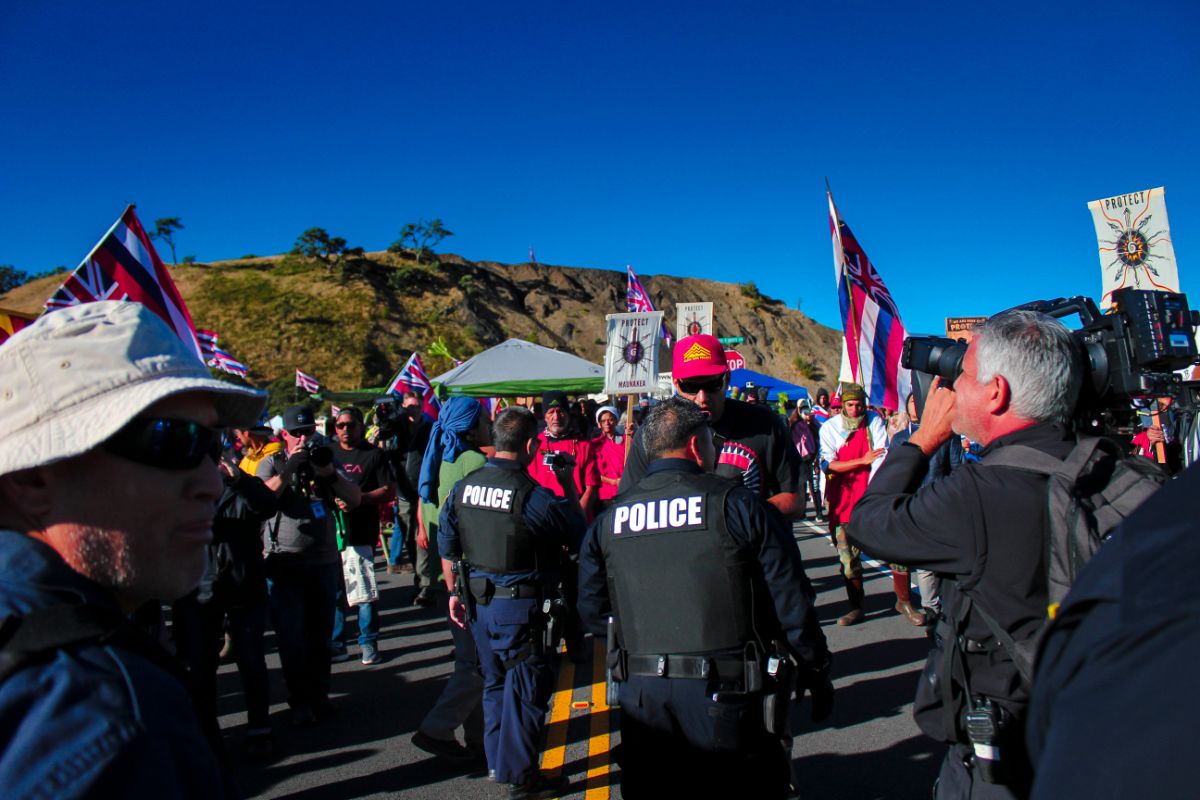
665, 529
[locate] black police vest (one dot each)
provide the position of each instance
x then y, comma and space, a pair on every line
490, 505
677, 581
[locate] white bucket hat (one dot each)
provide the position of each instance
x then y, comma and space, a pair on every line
76, 376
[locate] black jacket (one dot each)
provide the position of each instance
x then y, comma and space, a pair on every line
985, 527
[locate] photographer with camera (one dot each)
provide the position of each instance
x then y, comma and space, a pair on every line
986, 526
302, 561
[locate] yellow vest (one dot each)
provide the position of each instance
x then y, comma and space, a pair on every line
251, 459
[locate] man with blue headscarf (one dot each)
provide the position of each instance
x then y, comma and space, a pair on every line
453, 452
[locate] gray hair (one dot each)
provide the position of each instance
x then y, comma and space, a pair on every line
670, 424
1037, 356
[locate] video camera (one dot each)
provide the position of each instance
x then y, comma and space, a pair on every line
304, 479
389, 415
555, 459
1132, 351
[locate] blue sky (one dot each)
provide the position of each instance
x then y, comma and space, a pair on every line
962, 140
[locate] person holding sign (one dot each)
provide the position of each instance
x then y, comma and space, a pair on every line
754, 445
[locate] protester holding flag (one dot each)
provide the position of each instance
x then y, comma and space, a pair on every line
756, 448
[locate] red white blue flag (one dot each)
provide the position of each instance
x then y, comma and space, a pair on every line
125, 266
224, 361
636, 299
307, 382
874, 332
208, 342
412, 378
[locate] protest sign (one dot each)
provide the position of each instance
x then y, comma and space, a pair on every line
692, 319
962, 327
1134, 243
631, 359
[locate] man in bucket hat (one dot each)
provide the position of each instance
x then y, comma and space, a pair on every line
109, 430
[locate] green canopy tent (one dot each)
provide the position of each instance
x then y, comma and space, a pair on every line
518, 368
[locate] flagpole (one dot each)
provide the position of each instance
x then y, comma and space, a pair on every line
837, 231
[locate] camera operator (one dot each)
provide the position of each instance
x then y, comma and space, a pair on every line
985, 526
302, 560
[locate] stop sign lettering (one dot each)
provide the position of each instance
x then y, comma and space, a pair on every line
734, 359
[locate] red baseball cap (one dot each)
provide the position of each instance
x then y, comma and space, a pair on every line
700, 356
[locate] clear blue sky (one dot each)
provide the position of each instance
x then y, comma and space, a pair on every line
962, 140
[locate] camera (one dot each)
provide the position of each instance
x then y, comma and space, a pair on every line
304, 479
556, 460
388, 415
1132, 351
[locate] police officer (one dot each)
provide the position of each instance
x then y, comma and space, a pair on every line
714, 617
510, 533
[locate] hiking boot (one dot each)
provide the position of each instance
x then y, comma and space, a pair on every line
913, 616
541, 787
370, 655
854, 591
448, 749
853, 617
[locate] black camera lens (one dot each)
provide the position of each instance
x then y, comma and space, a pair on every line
320, 456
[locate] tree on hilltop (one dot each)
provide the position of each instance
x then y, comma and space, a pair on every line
164, 229
419, 238
317, 243
11, 277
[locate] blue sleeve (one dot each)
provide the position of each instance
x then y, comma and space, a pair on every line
555, 518
593, 604
448, 544
759, 527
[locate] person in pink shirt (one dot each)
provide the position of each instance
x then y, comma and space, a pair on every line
561, 437
609, 448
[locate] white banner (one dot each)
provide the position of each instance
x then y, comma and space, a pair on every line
631, 360
1135, 243
692, 319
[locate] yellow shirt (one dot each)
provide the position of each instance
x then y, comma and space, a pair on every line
252, 458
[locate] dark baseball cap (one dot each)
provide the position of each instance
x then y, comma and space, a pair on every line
296, 417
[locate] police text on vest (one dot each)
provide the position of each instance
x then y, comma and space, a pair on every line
488, 497
654, 515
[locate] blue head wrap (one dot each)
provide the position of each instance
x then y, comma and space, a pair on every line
458, 416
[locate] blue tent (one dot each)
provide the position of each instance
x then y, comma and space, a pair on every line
739, 377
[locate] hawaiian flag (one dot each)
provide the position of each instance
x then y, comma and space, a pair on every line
125, 266
307, 382
636, 299
224, 361
11, 322
874, 334
412, 378
208, 342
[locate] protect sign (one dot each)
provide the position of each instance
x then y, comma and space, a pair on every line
1134, 243
631, 359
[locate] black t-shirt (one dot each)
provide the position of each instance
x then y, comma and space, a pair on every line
754, 448
367, 466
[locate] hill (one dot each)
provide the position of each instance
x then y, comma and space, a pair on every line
353, 324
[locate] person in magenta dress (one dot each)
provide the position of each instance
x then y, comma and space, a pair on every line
609, 448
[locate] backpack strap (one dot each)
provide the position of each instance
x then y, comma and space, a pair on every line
1019, 456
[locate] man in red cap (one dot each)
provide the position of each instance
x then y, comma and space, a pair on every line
755, 447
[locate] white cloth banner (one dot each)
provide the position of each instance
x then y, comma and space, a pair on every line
692, 319
631, 360
358, 569
1135, 243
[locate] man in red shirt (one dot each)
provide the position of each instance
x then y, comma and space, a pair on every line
560, 437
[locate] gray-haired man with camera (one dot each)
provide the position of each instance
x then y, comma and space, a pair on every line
987, 527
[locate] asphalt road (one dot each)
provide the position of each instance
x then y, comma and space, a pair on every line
868, 748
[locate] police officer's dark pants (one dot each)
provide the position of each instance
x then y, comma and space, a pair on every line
302, 614
960, 780
676, 741
516, 698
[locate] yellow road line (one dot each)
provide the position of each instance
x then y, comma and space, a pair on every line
560, 714
599, 758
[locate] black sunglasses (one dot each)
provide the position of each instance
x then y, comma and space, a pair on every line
174, 444
341, 426
710, 386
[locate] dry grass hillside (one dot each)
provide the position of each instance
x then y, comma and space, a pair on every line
352, 325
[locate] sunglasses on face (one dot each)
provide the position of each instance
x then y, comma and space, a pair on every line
341, 426
710, 386
296, 434
173, 444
